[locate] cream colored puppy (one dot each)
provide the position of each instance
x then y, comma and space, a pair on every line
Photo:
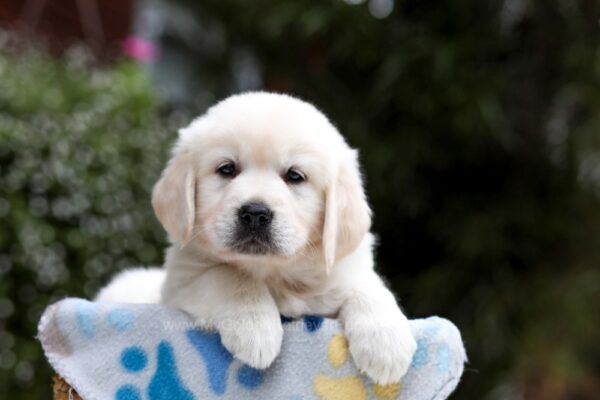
264, 205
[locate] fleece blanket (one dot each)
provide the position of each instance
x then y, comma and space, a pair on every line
152, 352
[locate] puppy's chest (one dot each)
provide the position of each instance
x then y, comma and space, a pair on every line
295, 301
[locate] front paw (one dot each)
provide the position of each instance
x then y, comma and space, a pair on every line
254, 339
382, 352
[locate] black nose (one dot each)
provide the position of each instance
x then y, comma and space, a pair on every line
255, 215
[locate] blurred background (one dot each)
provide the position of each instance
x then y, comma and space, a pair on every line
478, 124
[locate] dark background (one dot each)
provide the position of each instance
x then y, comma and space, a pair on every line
478, 124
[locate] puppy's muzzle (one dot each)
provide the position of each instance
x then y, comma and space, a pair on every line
253, 232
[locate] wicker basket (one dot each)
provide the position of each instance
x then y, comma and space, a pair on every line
62, 390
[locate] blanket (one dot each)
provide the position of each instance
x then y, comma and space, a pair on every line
153, 352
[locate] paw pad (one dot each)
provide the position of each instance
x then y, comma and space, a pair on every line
86, 318
338, 351
166, 384
133, 359
249, 377
386, 392
128, 392
120, 319
349, 387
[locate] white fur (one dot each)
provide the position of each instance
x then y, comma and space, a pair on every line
324, 259
139, 285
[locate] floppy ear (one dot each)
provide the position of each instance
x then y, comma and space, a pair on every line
173, 199
347, 213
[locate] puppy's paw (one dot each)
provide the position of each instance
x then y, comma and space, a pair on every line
383, 352
254, 339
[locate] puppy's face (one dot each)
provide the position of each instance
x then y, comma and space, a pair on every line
259, 186
263, 177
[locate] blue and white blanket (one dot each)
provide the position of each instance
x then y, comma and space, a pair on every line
152, 352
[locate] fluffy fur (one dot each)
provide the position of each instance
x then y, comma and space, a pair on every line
316, 257
139, 285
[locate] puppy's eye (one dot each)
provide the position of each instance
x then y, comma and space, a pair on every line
294, 176
227, 170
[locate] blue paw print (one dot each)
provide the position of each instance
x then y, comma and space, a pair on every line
441, 359
120, 319
164, 385
134, 359
421, 355
128, 392
85, 314
218, 360
313, 324
249, 377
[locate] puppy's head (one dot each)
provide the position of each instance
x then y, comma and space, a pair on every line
263, 177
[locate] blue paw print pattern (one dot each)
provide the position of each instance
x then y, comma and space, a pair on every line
134, 359
86, 314
166, 384
216, 358
128, 392
86, 318
249, 378
120, 319
432, 351
421, 355
442, 359
313, 324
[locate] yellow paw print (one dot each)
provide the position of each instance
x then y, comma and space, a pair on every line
349, 387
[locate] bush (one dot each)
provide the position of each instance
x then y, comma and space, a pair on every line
80, 149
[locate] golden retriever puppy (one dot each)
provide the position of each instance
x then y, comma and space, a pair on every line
264, 204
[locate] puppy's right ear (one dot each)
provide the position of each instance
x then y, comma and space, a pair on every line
173, 199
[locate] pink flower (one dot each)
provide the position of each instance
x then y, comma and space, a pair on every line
140, 49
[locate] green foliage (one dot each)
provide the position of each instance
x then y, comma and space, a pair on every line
79, 151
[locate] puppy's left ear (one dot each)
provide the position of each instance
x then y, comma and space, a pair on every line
347, 213
173, 199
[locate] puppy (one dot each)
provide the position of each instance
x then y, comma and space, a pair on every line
264, 205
